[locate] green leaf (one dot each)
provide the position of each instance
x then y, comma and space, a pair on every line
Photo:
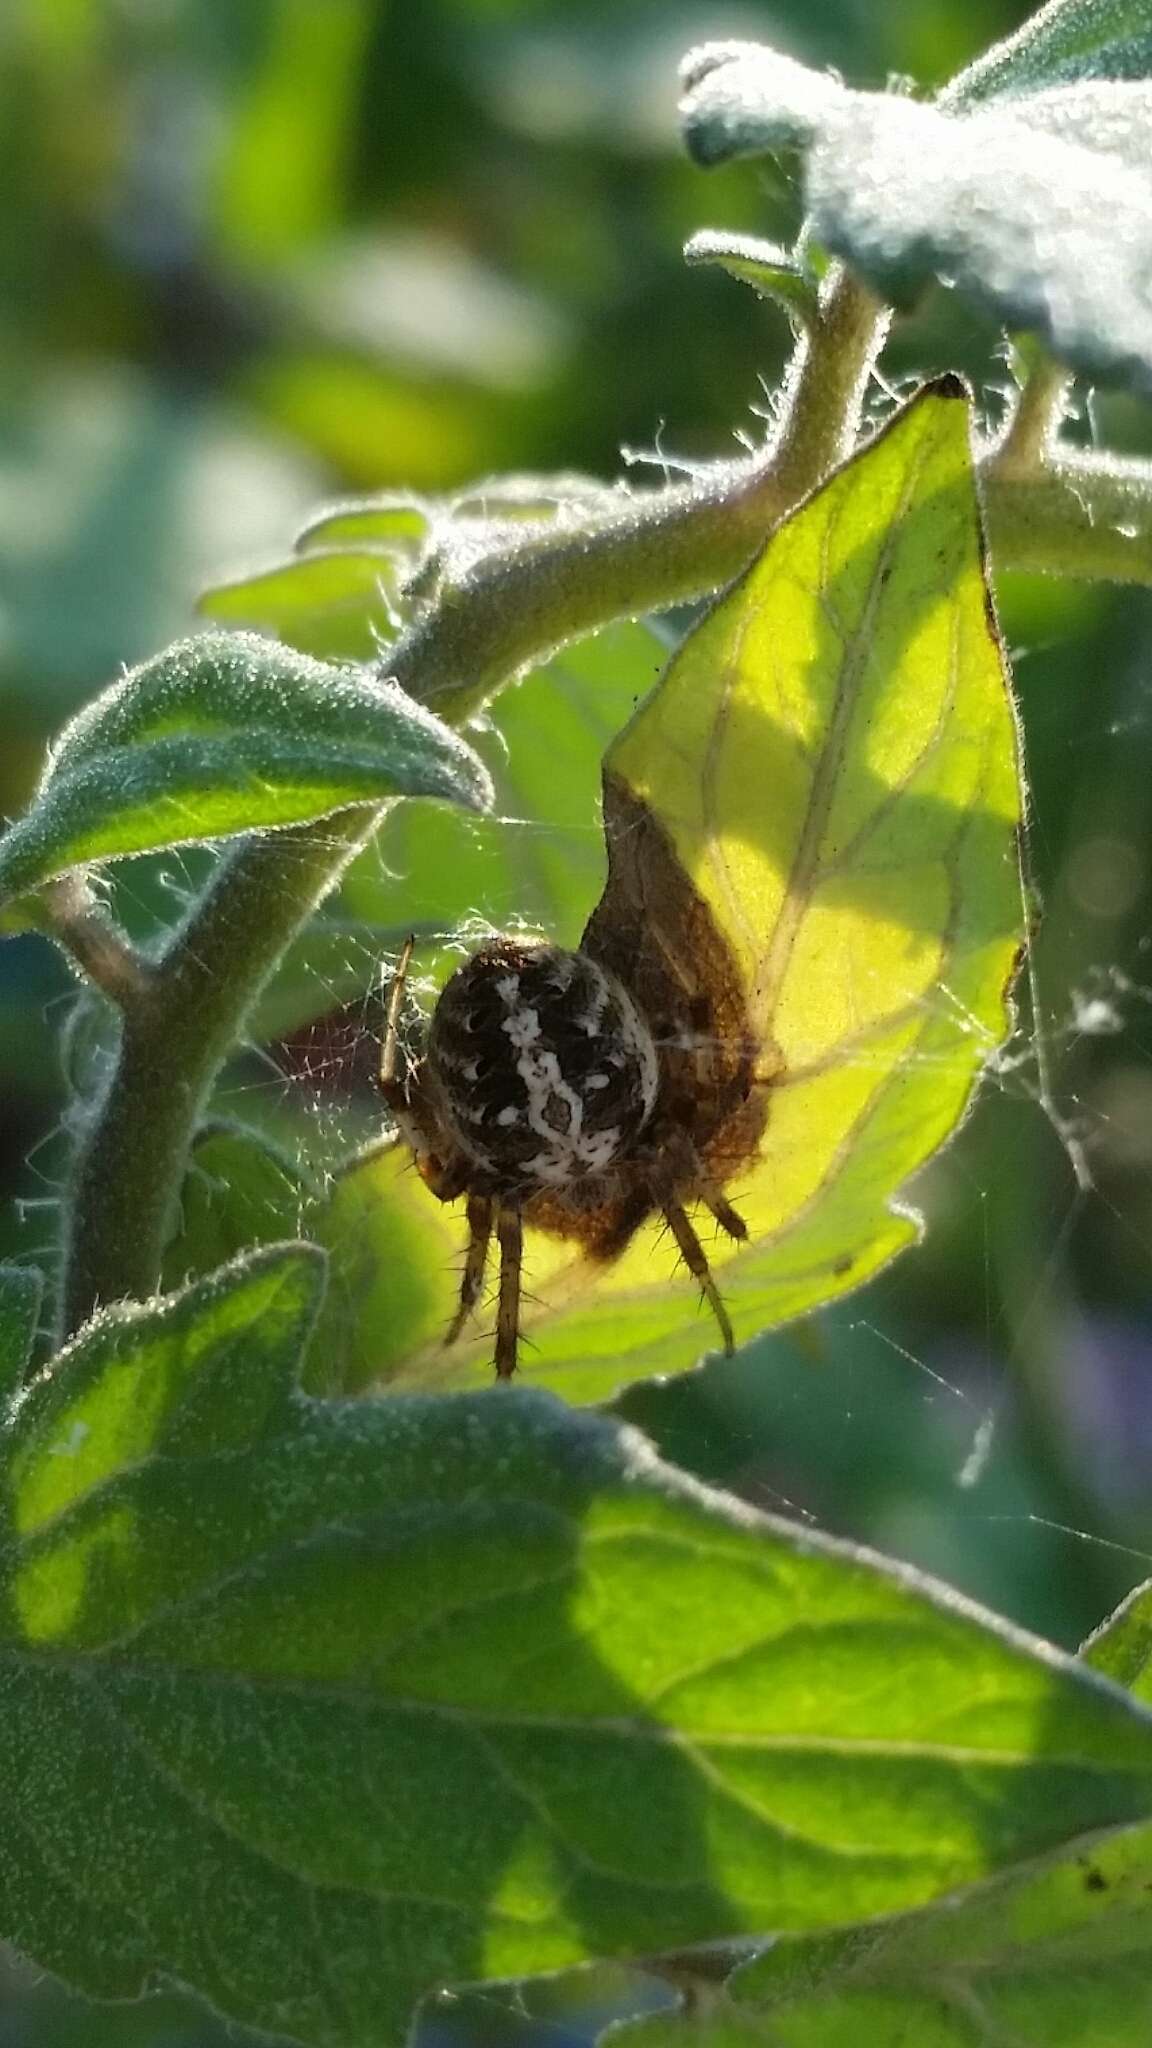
21, 1289
23, 914
1004, 202
770, 271
395, 525
239, 1191
280, 173
321, 1705
1063, 43
413, 525
332, 603
223, 734
1122, 1646
341, 595
528, 496
1058, 1955
832, 757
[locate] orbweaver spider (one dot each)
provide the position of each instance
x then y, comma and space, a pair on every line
583, 1092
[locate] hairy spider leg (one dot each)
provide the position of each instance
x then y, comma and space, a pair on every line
705, 1054
391, 1087
693, 1254
726, 1216
511, 1241
479, 1214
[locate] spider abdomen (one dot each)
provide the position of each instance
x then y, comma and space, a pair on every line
545, 1071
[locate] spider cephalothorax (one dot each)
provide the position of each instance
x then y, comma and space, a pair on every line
582, 1092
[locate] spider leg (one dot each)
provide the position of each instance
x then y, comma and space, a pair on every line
475, 1263
391, 1087
511, 1240
708, 1189
726, 1216
693, 1254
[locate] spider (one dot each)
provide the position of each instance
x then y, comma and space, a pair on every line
583, 1092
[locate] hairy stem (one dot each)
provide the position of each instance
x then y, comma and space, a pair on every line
174, 1038
658, 549
79, 922
1035, 419
1088, 516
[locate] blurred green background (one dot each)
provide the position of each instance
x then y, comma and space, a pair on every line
257, 253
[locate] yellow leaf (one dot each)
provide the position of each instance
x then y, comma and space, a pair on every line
832, 756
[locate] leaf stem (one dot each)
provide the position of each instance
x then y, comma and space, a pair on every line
1035, 420
1057, 510
1082, 515
661, 548
80, 924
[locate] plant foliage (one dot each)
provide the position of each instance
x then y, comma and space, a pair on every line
314, 1704
342, 1676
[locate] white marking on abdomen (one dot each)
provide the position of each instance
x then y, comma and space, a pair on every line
522, 1027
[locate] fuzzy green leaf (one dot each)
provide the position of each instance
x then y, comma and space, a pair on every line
314, 1706
21, 915
333, 603
238, 1191
1005, 201
770, 271
1122, 1646
343, 592
225, 734
744, 99
1063, 43
409, 527
388, 523
1112, 120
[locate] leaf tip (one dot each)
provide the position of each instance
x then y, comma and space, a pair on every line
950, 384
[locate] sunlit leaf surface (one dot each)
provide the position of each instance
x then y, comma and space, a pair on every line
303, 1700
1057, 1955
386, 522
333, 603
1122, 1646
833, 755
